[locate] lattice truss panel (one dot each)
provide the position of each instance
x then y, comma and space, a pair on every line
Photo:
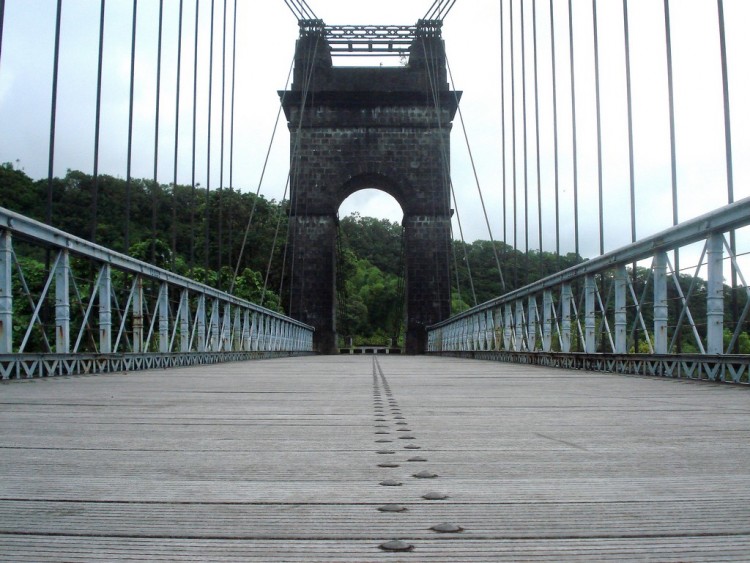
608, 314
95, 310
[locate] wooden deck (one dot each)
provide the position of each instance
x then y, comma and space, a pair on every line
277, 460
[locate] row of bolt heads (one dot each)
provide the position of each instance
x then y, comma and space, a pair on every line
401, 545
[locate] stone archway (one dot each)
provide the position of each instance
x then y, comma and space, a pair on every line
355, 127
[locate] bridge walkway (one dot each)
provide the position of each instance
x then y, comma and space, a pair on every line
277, 460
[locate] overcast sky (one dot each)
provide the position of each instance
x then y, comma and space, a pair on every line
265, 47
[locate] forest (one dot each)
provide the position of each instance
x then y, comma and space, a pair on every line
204, 235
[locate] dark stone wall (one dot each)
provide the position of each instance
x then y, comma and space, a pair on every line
356, 128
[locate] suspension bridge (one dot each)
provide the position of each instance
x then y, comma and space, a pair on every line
163, 401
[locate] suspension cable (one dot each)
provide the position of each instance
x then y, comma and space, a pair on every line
97, 127
129, 178
463, 245
439, 9
207, 212
273, 246
157, 109
476, 176
176, 132
306, 86
301, 9
2, 20
53, 112
260, 183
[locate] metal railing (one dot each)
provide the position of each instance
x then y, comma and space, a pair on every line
588, 316
95, 310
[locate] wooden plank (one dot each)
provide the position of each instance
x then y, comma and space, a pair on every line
276, 461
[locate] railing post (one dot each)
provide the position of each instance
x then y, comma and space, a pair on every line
497, 315
184, 322
518, 345
105, 309
508, 328
547, 305
236, 339
489, 330
621, 285
254, 333
226, 323
245, 337
589, 345
661, 311
715, 294
477, 329
137, 314
565, 296
201, 323
214, 325
260, 331
62, 304
164, 318
532, 322
6, 292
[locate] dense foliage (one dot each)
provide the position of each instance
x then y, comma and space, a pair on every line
169, 225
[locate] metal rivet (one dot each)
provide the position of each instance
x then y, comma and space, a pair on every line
392, 508
380, 420
382, 432
446, 528
403, 430
382, 441
388, 464
434, 495
417, 458
411, 446
398, 417
381, 426
401, 423
406, 437
391, 483
425, 475
396, 545
386, 452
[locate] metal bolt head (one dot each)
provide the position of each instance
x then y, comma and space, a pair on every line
434, 495
396, 545
446, 528
406, 437
386, 452
425, 475
392, 508
391, 483
417, 458
388, 464
411, 446
383, 441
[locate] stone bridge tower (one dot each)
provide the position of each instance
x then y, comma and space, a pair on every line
386, 128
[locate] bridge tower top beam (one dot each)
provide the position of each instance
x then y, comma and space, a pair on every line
365, 40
